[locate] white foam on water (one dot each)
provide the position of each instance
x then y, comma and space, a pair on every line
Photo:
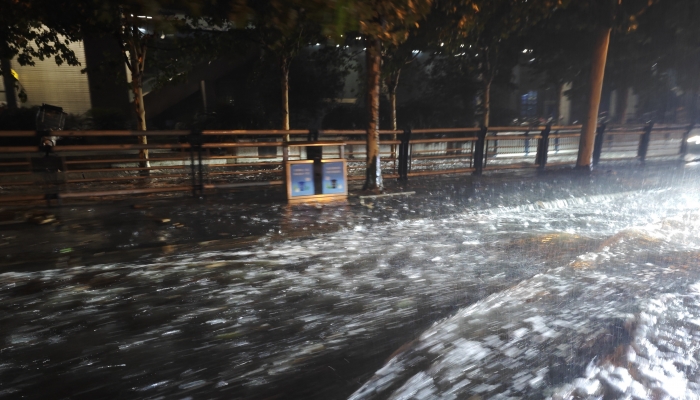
627, 334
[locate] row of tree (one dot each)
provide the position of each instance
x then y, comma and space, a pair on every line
565, 41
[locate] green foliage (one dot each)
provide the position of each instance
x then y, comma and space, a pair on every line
386, 20
443, 95
671, 32
282, 27
249, 97
649, 46
317, 78
37, 29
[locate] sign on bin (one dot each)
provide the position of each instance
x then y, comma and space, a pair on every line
302, 176
334, 177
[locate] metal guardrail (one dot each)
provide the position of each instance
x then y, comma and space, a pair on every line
228, 159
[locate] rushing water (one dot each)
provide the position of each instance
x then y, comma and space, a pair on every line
587, 297
619, 322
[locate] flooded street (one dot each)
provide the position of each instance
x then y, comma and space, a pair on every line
618, 322
587, 293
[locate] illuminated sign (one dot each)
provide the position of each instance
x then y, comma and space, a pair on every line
334, 177
302, 179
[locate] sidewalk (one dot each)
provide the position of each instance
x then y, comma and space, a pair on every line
122, 230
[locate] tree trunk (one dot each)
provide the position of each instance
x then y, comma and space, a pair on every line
137, 88
136, 64
284, 69
9, 82
487, 102
392, 85
392, 102
373, 180
588, 131
392, 105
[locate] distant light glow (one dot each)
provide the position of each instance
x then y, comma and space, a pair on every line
694, 139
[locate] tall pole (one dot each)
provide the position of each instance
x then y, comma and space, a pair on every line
600, 55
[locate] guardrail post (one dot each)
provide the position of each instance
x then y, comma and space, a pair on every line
313, 153
313, 135
45, 142
684, 140
644, 142
543, 147
598, 143
196, 139
49, 167
404, 155
479, 151
527, 142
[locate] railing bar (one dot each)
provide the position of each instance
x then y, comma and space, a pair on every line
270, 171
15, 173
124, 178
73, 195
14, 164
82, 171
125, 160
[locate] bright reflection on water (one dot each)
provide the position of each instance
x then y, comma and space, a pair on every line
622, 321
605, 301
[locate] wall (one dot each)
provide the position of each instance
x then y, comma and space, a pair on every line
63, 86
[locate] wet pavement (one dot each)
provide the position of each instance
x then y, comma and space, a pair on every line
518, 284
